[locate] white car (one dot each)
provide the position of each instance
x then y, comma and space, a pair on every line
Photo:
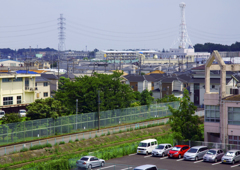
147, 146
2, 114
22, 113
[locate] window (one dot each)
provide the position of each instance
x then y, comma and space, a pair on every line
6, 80
212, 113
35, 84
152, 143
234, 140
18, 79
234, 115
45, 94
213, 86
19, 101
7, 100
45, 84
148, 144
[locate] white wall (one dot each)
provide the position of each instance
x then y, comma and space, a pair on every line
41, 90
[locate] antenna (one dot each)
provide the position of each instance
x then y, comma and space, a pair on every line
183, 35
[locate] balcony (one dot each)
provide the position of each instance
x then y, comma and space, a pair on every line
30, 89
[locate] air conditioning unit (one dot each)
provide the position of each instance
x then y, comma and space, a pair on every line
27, 88
36, 88
31, 89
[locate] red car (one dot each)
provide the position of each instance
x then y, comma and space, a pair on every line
178, 151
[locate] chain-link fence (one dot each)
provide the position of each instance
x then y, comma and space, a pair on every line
224, 146
35, 129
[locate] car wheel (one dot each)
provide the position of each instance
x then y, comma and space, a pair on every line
89, 166
233, 162
179, 156
215, 160
102, 164
147, 153
163, 154
196, 158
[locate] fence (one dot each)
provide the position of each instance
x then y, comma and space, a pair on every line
35, 129
224, 146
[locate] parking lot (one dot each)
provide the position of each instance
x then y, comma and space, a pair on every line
166, 163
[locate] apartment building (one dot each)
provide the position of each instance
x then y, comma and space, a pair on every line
42, 87
222, 109
16, 90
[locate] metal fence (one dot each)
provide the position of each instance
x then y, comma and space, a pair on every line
224, 146
35, 129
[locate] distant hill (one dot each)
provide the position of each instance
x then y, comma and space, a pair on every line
209, 47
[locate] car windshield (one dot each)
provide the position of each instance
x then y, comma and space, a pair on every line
84, 159
211, 152
230, 154
142, 144
22, 111
192, 150
1, 113
176, 148
160, 147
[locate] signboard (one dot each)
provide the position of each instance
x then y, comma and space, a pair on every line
39, 55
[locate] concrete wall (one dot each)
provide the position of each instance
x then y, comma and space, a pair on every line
42, 89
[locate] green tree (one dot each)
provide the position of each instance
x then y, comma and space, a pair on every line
46, 108
184, 124
168, 98
113, 94
11, 118
146, 97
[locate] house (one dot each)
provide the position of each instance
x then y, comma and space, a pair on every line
16, 91
53, 81
222, 110
40, 64
10, 63
42, 87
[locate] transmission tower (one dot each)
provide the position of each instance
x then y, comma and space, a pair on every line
183, 35
61, 34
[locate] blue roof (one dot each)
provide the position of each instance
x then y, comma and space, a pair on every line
25, 72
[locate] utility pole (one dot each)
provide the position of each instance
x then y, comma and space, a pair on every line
67, 69
178, 65
98, 110
76, 111
73, 66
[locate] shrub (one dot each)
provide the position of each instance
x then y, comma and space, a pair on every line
61, 143
103, 134
108, 133
70, 141
24, 149
76, 140
35, 147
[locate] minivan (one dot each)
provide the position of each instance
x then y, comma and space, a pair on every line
231, 156
146, 167
147, 146
195, 153
2, 114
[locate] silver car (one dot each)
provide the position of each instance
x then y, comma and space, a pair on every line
231, 156
146, 167
162, 150
213, 155
195, 153
88, 162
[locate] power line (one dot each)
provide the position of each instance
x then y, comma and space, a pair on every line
27, 24
28, 34
31, 29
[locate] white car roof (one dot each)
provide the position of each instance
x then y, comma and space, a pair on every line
148, 140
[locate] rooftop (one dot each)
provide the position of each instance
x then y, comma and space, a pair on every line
233, 98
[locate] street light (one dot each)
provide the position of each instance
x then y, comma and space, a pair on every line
76, 111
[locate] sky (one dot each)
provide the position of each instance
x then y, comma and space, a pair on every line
116, 24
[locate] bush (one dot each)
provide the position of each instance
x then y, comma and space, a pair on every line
76, 140
24, 149
70, 141
61, 143
108, 133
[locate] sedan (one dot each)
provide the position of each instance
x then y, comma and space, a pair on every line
88, 162
178, 151
213, 155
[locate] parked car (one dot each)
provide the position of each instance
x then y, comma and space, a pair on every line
162, 150
89, 162
147, 146
178, 151
195, 153
213, 155
22, 113
146, 167
231, 156
2, 114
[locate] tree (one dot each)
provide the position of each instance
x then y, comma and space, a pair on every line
184, 124
146, 97
142, 73
46, 108
168, 98
11, 118
113, 93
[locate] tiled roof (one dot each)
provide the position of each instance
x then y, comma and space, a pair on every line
150, 78
41, 79
155, 72
134, 78
233, 98
68, 75
49, 76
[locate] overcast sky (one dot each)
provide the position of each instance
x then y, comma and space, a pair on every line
116, 24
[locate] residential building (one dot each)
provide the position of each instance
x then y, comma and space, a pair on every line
222, 110
53, 82
16, 91
42, 87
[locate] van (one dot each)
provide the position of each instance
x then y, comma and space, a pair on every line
146, 167
2, 114
22, 113
196, 153
147, 146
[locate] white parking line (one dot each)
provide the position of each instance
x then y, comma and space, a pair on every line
216, 163
132, 154
180, 159
235, 166
106, 167
126, 168
198, 161
147, 156
164, 157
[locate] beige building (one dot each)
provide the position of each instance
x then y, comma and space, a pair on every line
17, 89
42, 86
